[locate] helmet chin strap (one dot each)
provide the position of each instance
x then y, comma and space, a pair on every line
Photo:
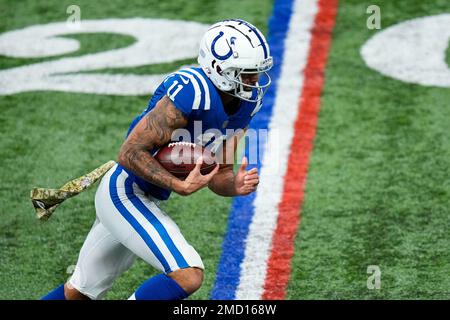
239, 91
244, 94
241, 94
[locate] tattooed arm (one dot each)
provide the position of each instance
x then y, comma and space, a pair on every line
155, 130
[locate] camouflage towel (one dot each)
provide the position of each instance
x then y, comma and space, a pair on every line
45, 201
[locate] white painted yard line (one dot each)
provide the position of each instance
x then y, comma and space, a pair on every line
281, 131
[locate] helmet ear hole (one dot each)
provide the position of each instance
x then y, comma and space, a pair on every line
219, 70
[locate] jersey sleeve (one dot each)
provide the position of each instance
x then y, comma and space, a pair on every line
181, 91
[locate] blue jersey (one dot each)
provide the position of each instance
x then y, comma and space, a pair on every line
193, 93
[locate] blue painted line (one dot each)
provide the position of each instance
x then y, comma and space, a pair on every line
242, 209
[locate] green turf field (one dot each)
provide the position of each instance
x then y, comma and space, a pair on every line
49, 138
377, 190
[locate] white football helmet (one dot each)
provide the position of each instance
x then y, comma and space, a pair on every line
231, 49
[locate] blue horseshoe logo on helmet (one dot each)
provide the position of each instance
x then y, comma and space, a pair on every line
215, 54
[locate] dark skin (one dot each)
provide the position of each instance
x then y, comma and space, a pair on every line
155, 130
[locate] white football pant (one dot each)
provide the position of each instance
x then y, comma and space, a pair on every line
129, 224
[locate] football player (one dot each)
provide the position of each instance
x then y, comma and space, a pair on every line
224, 93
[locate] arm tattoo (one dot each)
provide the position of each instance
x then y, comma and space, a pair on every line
154, 130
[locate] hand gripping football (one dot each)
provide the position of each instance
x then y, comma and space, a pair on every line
179, 158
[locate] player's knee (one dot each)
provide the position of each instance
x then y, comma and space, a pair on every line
190, 279
71, 293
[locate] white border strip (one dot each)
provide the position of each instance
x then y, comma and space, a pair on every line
281, 131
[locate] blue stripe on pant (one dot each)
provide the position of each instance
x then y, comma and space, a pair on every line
133, 222
150, 217
181, 262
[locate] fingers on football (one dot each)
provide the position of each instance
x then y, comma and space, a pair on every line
198, 165
212, 173
199, 162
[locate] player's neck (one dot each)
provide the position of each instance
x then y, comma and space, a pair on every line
231, 104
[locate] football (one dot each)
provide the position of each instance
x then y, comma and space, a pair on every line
179, 158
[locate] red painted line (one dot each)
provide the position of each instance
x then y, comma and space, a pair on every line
279, 264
